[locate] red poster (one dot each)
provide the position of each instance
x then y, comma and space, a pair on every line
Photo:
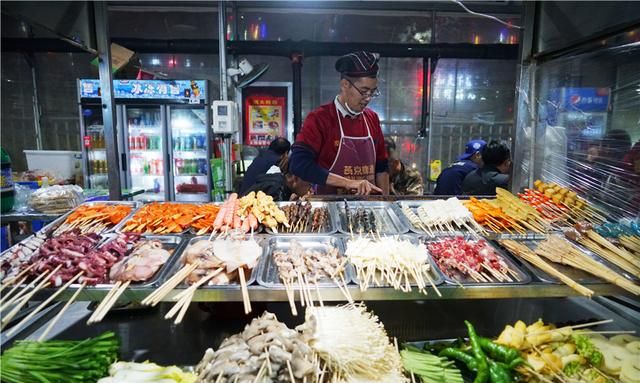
264, 114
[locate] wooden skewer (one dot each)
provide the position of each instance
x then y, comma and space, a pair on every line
101, 312
7, 319
583, 325
10, 281
13, 289
197, 285
346, 288
155, 297
293, 379
25, 289
290, 297
104, 300
184, 308
43, 304
61, 312
245, 292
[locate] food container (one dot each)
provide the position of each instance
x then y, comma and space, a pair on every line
387, 220
434, 272
414, 205
177, 264
519, 276
269, 275
119, 227
577, 275
600, 259
330, 228
528, 236
170, 243
50, 228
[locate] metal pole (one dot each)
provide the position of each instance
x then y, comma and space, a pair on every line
224, 96
429, 90
296, 65
36, 102
101, 13
222, 49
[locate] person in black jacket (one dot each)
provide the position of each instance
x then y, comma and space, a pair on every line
276, 154
494, 173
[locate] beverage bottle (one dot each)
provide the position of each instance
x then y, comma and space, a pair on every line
101, 144
195, 140
156, 185
145, 167
143, 142
131, 142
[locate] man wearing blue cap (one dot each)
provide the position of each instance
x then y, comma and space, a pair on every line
450, 180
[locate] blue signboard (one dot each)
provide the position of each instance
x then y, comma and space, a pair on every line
188, 90
584, 99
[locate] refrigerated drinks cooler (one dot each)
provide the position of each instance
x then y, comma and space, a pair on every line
163, 137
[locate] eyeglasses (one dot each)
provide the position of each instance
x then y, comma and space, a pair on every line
366, 94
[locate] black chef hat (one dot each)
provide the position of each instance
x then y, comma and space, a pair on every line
358, 64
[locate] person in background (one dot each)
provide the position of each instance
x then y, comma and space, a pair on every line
402, 180
341, 147
276, 154
496, 158
449, 182
281, 184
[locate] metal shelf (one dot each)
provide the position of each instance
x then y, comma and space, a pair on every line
449, 292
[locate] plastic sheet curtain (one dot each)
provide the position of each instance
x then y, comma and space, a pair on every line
579, 125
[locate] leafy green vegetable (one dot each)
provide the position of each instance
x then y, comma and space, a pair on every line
588, 350
573, 369
59, 361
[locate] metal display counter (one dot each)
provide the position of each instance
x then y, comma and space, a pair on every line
215, 313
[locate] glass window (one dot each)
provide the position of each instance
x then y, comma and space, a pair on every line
471, 99
58, 95
588, 128
17, 109
466, 28
160, 22
334, 25
399, 82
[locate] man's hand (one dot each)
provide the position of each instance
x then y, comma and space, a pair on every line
363, 187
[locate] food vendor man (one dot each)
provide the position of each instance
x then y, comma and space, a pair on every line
341, 147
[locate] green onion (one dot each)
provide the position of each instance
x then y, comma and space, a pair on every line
58, 361
430, 368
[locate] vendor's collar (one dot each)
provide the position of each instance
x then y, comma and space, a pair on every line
344, 110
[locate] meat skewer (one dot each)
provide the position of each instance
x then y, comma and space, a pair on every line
456, 256
305, 267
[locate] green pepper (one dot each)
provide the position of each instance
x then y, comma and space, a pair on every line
498, 373
459, 355
483, 367
499, 352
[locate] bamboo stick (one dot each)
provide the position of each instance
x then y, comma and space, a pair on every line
61, 312
43, 304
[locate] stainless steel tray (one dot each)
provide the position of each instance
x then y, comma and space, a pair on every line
332, 223
413, 205
523, 277
434, 272
387, 220
577, 275
176, 264
170, 243
269, 275
53, 225
601, 260
528, 236
118, 228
